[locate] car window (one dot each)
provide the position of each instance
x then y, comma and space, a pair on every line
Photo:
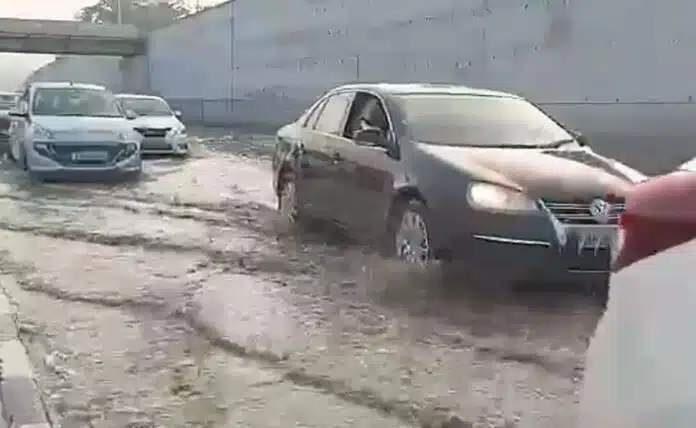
473, 120
69, 101
310, 118
334, 113
146, 106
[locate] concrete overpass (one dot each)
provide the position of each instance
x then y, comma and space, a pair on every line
69, 38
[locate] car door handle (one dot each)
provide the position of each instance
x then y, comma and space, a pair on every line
336, 157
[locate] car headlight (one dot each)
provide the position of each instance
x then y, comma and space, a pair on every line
491, 197
179, 131
42, 133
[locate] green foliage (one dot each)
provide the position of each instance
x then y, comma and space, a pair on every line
144, 14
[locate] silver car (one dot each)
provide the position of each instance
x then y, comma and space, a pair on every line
162, 131
73, 130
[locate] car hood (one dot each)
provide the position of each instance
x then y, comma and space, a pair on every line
60, 124
88, 129
555, 174
156, 122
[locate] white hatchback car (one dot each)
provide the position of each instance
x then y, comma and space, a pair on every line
64, 129
163, 132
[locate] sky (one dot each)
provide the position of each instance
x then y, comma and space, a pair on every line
15, 67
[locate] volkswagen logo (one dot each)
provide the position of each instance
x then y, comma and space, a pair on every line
600, 210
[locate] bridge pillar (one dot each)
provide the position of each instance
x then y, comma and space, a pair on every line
135, 74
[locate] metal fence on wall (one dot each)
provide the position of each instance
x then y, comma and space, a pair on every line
237, 111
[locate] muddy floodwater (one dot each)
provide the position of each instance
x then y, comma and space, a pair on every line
181, 301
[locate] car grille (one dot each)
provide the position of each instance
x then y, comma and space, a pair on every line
579, 212
153, 132
63, 154
150, 143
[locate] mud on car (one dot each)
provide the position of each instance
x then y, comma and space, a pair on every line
484, 181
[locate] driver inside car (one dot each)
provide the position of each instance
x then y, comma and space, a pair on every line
372, 117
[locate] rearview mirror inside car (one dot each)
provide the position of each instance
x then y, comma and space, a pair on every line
370, 137
130, 114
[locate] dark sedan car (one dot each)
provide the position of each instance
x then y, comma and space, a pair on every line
478, 179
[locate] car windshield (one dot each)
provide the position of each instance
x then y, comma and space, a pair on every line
471, 120
146, 106
70, 101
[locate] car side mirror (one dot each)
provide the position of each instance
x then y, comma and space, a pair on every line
130, 114
177, 113
16, 113
22, 110
370, 137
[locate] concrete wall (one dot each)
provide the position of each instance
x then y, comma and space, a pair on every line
99, 70
619, 71
191, 64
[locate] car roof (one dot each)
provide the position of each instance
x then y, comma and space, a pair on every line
142, 96
68, 85
424, 88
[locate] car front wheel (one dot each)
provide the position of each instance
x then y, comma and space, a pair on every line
408, 238
288, 206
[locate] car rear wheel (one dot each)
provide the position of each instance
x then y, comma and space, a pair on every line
408, 235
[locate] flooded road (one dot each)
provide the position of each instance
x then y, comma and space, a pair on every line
180, 301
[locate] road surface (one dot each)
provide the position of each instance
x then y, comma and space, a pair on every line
182, 301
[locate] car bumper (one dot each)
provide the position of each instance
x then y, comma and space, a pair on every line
47, 167
521, 247
169, 145
536, 260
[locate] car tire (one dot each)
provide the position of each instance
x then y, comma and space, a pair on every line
408, 233
288, 204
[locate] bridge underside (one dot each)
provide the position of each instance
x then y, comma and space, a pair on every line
70, 45
69, 38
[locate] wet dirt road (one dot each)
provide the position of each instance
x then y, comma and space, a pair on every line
180, 302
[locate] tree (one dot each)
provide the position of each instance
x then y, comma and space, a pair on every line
144, 14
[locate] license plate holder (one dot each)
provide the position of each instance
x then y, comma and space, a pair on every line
90, 156
594, 238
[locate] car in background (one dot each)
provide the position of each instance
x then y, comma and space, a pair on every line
640, 361
162, 131
73, 130
484, 181
7, 102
